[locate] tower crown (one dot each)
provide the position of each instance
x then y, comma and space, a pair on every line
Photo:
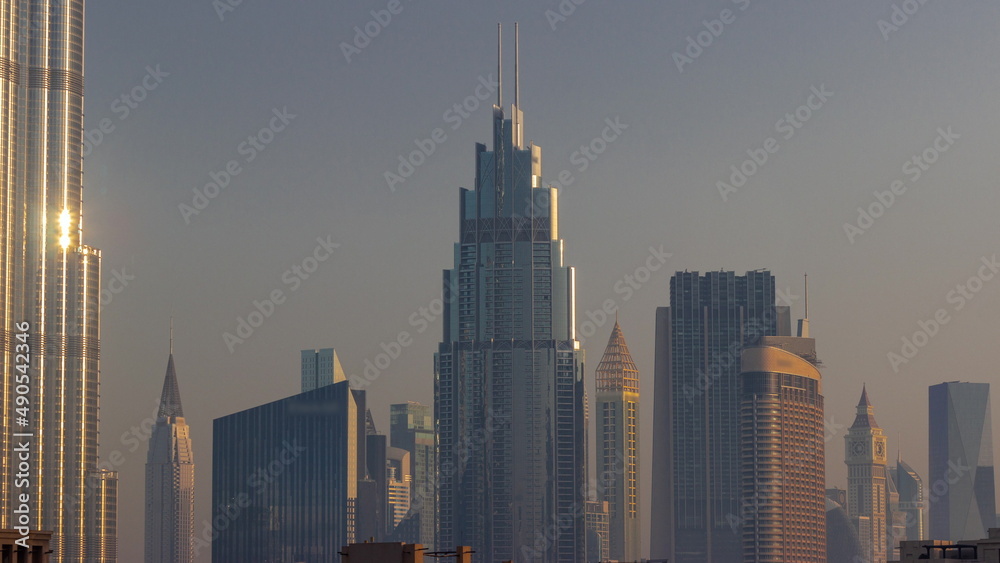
170, 398
617, 370
866, 412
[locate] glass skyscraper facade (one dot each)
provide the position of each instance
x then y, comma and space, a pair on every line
50, 281
696, 464
508, 386
285, 477
962, 486
320, 367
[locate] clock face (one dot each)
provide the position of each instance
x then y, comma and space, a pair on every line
879, 449
858, 448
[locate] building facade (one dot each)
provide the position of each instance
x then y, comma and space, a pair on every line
696, 464
911, 500
618, 446
170, 480
782, 453
960, 461
598, 531
51, 283
411, 428
508, 373
867, 505
320, 367
285, 477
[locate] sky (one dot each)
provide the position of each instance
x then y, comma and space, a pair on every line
879, 116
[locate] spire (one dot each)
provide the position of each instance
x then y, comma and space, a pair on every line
517, 89
171, 335
617, 371
866, 412
500, 65
804, 321
170, 398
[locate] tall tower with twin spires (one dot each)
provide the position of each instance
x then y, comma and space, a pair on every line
508, 373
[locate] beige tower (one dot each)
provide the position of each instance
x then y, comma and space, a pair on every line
782, 514
170, 480
618, 445
866, 473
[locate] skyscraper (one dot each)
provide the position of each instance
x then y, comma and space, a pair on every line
911, 500
170, 479
866, 488
411, 428
782, 451
962, 486
508, 392
320, 367
51, 283
696, 464
285, 477
618, 446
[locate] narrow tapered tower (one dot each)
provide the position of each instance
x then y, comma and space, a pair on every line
618, 445
170, 479
866, 466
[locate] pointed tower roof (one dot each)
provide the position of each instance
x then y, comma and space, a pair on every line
170, 398
866, 412
617, 370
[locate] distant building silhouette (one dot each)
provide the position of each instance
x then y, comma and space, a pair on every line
411, 428
911, 500
696, 485
842, 542
866, 480
170, 479
961, 485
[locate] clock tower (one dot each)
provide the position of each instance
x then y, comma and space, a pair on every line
866, 474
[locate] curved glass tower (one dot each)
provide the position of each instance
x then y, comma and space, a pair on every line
508, 386
50, 280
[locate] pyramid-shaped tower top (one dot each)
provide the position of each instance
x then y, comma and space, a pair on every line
170, 398
866, 412
617, 370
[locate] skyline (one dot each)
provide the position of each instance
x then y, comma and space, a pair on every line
658, 178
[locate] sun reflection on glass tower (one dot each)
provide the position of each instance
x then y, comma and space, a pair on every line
508, 396
50, 279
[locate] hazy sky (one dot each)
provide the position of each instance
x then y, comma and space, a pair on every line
889, 93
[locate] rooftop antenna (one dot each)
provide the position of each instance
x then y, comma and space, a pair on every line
171, 335
807, 295
500, 65
517, 89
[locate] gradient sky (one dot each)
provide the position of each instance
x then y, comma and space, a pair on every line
655, 185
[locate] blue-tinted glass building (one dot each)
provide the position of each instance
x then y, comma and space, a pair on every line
508, 401
961, 484
696, 504
285, 478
